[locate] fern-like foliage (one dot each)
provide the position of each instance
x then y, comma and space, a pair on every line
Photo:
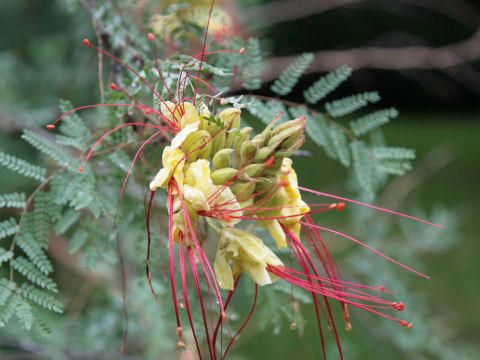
46, 147
363, 167
22, 167
253, 63
284, 84
13, 200
350, 104
326, 84
371, 121
8, 227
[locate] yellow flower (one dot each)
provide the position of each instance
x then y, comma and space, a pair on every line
247, 253
293, 205
173, 160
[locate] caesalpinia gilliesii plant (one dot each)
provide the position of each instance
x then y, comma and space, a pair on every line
216, 171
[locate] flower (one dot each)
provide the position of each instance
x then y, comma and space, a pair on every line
216, 173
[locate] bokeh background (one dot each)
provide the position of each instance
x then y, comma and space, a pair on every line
422, 56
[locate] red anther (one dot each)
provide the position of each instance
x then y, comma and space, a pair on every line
283, 182
242, 50
113, 86
50, 127
400, 306
151, 36
403, 323
179, 331
341, 206
225, 316
382, 288
226, 218
409, 326
147, 111
80, 169
222, 101
86, 42
269, 161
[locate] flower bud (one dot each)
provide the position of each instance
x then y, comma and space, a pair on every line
230, 118
242, 189
263, 154
222, 159
247, 151
198, 145
251, 171
222, 176
291, 150
291, 123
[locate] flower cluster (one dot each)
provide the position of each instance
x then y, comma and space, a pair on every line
217, 172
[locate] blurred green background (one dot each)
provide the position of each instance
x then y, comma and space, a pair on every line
42, 60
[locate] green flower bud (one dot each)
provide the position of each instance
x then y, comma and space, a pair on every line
242, 189
289, 151
222, 159
267, 200
218, 142
249, 172
263, 154
199, 140
247, 151
222, 176
291, 123
230, 118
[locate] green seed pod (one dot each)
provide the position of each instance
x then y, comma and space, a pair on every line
247, 151
222, 176
249, 172
222, 159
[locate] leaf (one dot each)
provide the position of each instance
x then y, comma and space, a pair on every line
253, 61
32, 249
290, 76
393, 153
326, 84
41, 298
348, 105
341, 144
22, 167
318, 130
27, 269
362, 166
371, 121
46, 147
13, 200
24, 314
8, 227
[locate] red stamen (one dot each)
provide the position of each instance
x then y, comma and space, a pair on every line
409, 326
80, 169
341, 206
242, 50
382, 288
50, 127
86, 42
403, 323
151, 36
113, 86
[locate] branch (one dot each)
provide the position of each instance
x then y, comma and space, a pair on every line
401, 58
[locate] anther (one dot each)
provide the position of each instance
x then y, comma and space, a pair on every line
348, 327
147, 111
333, 206
179, 331
151, 36
242, 50
222, 101
269, 161
283, 182
400, 306
50, 127
293, 325
80, 169
182, 306
181, 346
225, 316
382, 288
226, 218
86, 42
113, 86
409, 326
341, 206
404, 323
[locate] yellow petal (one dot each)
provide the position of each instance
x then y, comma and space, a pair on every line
275, 229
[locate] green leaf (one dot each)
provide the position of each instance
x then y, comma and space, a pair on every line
393, 153
341, 144
69, 218
289, 77
319, 131
32, 249
371, 121
348, 105
253, 62
41, 298
27, 269
24, 314
13, 200
326, 84
5, 255
22, 167
362, 166
46, 147
8, 227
